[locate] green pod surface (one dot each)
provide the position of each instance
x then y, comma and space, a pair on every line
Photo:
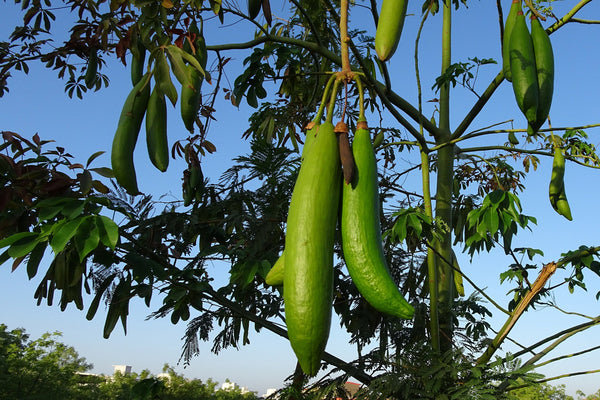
191, 97
512, 138
201, 53
275, 275
556, 190
254, 7
508, 27
361, 234
544, 63
311, 134
92, 69
138, 57
311, 225
128, 129
523, 69
156, 130
389, 27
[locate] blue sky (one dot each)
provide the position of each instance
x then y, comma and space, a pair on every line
37, 103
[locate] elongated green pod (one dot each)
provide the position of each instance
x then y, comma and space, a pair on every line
361, 233
201, 53
138, 56
275, 275
191, 97
523, 69
389, 27
544, 62
156, 130
311, 225
128, 129
556, 190
515, 7
254, 7
91, 69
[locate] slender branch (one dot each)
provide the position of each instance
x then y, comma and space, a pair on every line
525, 301
553, 305
553, 345
390, 99
311, 23
529, 349
417, 73
344, 39
584, 21
235, 308
431, 267
568, 16
524, 151
225, 302
571, 374
567, 356
311, 46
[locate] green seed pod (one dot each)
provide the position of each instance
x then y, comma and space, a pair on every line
523, 69
361, 233
389, 27
508, 27
91, 72
127, 133
311, 226
544, 62
156, 130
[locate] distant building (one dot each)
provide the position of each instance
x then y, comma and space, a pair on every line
351, 389
233, 386
124, 369
270, 392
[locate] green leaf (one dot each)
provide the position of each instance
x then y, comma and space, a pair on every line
35, 258
85, 181
103, 171
87, 237
63, 234
177, 65
109, 231
496, 196
4, 257
162, 76
492, 221
46, 213
16, 237
99, 293
23, 246
93, 157
73, 208
415, 224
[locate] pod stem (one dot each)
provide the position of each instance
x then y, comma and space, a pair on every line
344, 39
319, 115
534, 12
332, 98
361, 98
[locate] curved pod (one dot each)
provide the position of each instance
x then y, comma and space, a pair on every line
311, 224
389, 27
128, 129
508, 27
156, 130
556, 190
544, 63
523, 69
191, 97
361, 234
275, 275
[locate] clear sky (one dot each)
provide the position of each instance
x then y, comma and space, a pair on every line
37, 104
